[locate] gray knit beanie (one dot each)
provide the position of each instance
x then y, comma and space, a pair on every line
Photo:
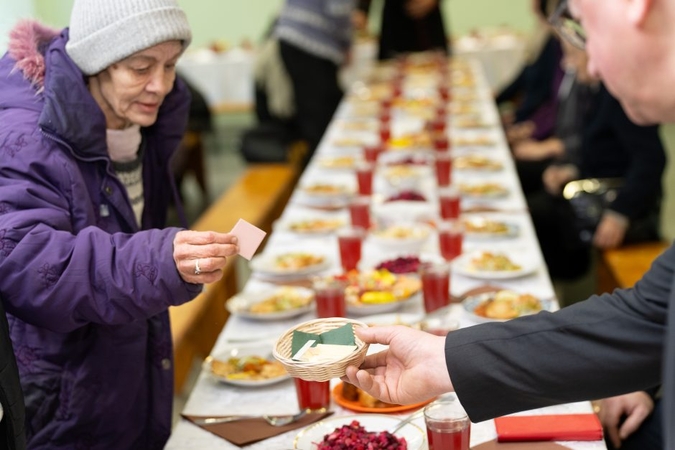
103, 32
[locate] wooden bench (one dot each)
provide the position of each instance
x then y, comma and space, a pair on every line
624, 266
258, 196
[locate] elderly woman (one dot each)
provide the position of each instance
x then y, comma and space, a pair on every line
89, 119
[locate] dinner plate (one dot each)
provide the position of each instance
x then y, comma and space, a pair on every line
240, 304
347, 162
265, 264
379, 308
310, 436
512, 230
502, 191
392, 319
258, 349
401, 236
311, 225
462, 265
471, 303
358, 407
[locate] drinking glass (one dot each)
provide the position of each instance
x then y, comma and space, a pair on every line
312, 395
435, 286
448, 425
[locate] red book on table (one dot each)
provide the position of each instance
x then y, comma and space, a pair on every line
556, 427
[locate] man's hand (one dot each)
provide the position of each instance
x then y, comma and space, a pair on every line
634, 407
530, 150
411, 370
555, 178
611, 230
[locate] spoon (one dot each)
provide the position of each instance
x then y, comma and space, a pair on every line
406, 421
275, 421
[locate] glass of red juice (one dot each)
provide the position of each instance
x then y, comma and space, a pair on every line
443, 168
441, 142
350, 241
449, 202
359, 212
437, 125
385, 132
329, 296
435, 286
372, 152
450, 238
444, 92
312, 395
448, 426
364, 178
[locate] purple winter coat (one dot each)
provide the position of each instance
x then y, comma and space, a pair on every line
86, 292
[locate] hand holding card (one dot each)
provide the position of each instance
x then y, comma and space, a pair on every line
249, 237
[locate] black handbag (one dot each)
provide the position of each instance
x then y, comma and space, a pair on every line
589, 198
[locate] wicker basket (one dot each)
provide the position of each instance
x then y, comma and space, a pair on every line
322, 371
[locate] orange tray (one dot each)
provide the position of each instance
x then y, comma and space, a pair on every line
358, 407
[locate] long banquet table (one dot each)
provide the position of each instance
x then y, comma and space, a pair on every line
210, 397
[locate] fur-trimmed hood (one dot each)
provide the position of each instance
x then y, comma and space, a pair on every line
27, 42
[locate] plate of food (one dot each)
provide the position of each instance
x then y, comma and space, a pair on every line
407, 236
345, 162
478, 141
389, 319
292, 263
248, 366
378, 291
282, 302
485, 228
349, 396
503, 305
483, 190
404, 176
493, 265
331, 433
321, 189
476, 163
312, 225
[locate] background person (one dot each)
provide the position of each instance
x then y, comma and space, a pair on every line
89, 119
406, 26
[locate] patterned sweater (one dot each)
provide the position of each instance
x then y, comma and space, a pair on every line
320, 27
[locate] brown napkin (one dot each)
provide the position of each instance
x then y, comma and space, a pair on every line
248, 431
494, 445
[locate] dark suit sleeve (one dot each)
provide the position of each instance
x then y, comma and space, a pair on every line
605, 346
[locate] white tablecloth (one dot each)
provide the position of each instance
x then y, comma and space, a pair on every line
223, 78
210, 397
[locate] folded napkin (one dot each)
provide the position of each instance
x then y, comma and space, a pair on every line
494, 445
554, 427
248, 431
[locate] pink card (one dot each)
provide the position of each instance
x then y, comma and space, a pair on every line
249, 237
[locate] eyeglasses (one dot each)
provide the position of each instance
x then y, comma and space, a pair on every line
567, 26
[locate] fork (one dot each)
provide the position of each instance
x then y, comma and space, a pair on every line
275, 421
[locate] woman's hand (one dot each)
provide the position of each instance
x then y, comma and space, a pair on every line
411, 370
634, 408
611, 230
200, 256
